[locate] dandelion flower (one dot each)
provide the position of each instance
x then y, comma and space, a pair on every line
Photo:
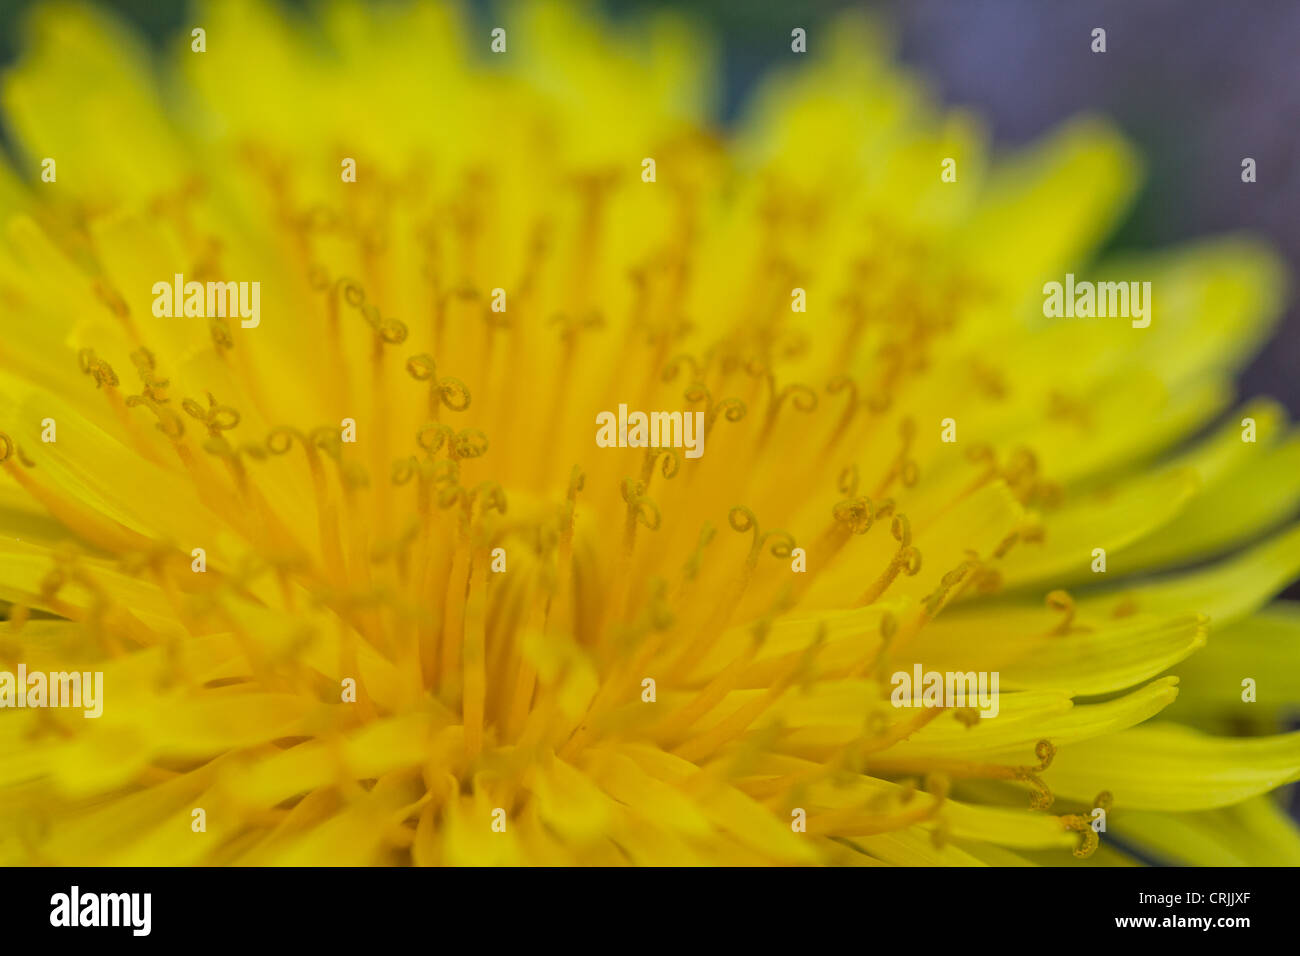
363, 589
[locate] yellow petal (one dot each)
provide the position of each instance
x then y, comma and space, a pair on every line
1168, 767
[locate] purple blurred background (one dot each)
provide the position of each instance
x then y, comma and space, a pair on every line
1196, 84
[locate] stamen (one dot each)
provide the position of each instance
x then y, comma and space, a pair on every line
449, 392
804, 398
217, 418
222, 339
671, 462
888, 629
144, 362
989, 379
733, 409
1127, 607
169, 423
847, 483
97, 368
982, 453
1082, 824
577, 481
387, 331
342, 289
233, 457
742, 520
111, 298
952, 584
640, 508
939, 786
906, 560
404, 469
691, 569
881, 401
852, 515
1064, 408
1062, 602
674, 365
1005, 545
572, 325
10, 449
487, 496
834, 387
336, 292
855, 515
904, 467
467, 443
474, 680
1041, 797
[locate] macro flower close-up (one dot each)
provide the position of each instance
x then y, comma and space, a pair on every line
435, 441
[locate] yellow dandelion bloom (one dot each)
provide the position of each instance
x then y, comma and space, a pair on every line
362, 588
